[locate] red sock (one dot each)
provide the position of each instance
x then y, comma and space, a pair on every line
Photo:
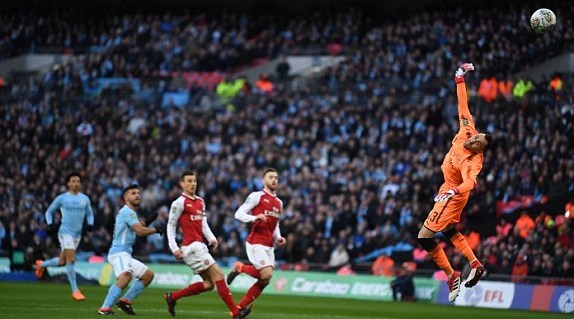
190, 290
226, 296
251, 271
251, 294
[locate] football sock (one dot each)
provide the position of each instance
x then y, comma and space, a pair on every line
462, 245
251, 294
135, 290
52, 262
114, 294
251, 271
71, 272
226, 296
440, 259
190, 290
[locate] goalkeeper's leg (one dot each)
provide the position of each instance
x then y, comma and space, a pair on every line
477, 270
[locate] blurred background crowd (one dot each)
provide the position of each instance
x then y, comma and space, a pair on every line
358, 145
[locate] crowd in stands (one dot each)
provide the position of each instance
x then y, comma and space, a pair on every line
358, 148
417, 47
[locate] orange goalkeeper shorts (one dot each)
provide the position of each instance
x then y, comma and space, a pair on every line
445, 214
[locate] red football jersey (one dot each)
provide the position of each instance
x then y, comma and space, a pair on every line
264, 203
189, 213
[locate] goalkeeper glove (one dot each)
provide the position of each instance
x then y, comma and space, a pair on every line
159, 230
443, 197
460, 72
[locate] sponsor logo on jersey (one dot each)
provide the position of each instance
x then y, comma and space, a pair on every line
274, 213
194, 217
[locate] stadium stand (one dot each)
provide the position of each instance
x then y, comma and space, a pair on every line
358, 146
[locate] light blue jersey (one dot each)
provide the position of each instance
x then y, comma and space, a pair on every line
74, 209
124, 235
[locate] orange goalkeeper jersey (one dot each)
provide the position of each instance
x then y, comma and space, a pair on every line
461, 166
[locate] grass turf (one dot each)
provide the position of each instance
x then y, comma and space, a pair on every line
53, 301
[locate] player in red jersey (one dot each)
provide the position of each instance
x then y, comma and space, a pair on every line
188, 210
265, 208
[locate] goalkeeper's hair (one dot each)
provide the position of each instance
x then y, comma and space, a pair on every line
490, 140
73, 174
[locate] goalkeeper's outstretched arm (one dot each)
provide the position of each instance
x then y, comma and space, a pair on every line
464, 116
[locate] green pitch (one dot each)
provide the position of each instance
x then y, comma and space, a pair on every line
53, 301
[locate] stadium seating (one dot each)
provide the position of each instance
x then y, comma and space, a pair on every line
358, 148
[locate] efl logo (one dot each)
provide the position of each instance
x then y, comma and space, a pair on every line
487, 294
566, 301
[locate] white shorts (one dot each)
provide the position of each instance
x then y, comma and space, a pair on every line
197, 257
123, 262
68, 242
260, 256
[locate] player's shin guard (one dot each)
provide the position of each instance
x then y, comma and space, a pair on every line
52, 262
71, 272
462, 245
441, 260
135, 290
190, 290
252, 294
226, 296
437, 254
251, 271
114, 294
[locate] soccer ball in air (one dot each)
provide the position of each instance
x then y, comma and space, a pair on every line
543, 20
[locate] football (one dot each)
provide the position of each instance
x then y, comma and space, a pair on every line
543, 20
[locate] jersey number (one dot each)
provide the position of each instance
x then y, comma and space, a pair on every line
434, 216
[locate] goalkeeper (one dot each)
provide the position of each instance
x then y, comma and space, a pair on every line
460, 167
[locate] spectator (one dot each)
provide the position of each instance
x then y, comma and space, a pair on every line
339, 256
403, 285
282, 69
2, 235
556, 84
524, 224
346, 270
569, 209
488, 89
503, 228
520, 268
383, 266
264, 84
